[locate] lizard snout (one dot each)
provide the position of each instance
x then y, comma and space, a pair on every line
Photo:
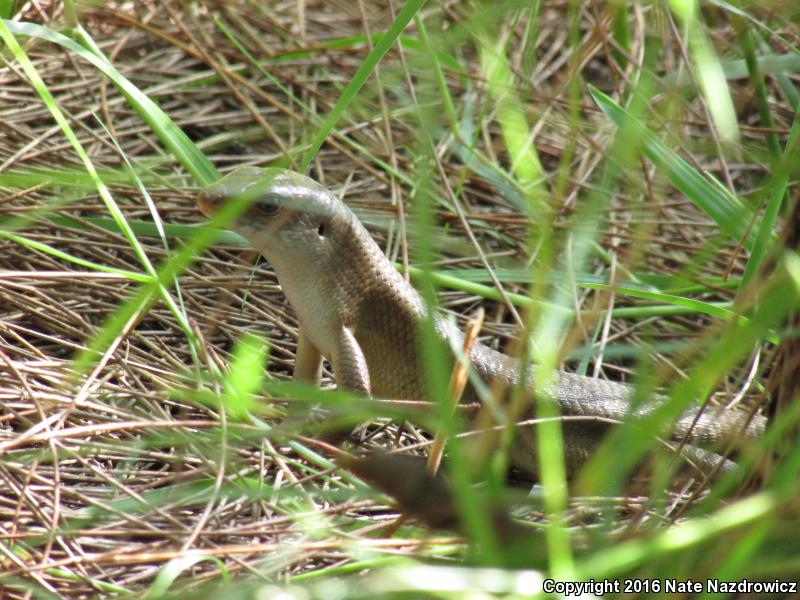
208, 203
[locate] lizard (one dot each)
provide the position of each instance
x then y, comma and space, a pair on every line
356, 310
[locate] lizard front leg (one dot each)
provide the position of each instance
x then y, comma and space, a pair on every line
351, 373
308, 360
349, 369
347, 359
349, 364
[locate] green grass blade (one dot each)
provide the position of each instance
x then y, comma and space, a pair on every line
768, 64
173, 138
7, 8
65, 256
696, 306
746, 41
708, 70
523, 157
441, 81
359, 79
725, 209
777, 193
622, 31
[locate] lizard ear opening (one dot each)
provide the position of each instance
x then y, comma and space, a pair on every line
321, 230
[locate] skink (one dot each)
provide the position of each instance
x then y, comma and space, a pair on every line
356, 310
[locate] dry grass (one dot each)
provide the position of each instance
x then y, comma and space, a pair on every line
78, 458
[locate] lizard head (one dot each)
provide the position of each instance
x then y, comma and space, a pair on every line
284, 212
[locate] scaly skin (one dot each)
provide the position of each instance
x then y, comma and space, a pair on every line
357, 311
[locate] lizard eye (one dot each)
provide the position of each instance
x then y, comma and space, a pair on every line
268, 209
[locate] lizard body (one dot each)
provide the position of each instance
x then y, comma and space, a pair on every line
356, 310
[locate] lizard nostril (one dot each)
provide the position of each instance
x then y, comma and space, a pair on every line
207, 203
